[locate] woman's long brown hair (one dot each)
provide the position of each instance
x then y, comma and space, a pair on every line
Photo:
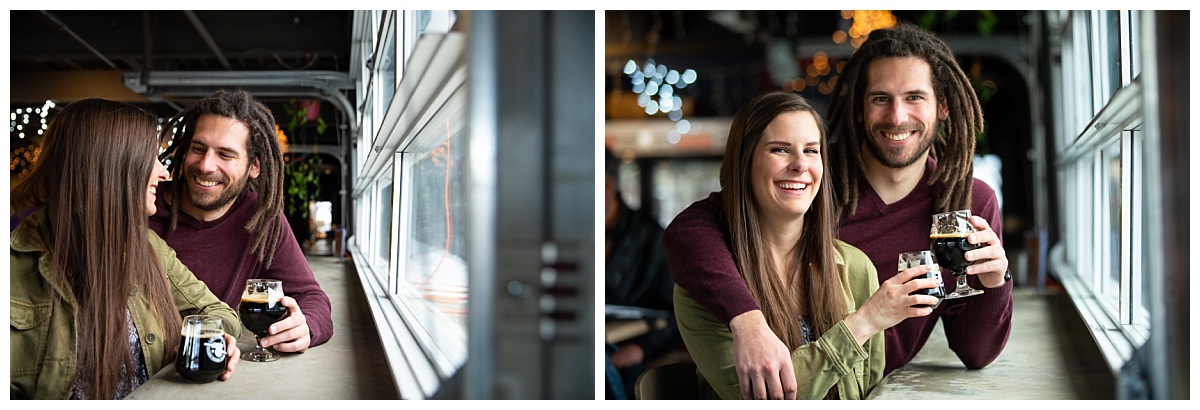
91, 180
814, 280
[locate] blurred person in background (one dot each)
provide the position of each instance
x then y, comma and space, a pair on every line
635, 275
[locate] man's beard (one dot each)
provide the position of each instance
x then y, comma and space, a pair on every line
894, 157
230, 193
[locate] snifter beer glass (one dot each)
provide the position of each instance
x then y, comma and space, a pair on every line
202, 350
259, 309
948, 241
914, 259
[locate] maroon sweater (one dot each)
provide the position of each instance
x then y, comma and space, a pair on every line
700, 260
218, 253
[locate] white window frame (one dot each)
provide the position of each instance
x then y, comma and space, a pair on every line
1113, 310
422, 352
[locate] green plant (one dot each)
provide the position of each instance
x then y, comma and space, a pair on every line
302, 177
300, 112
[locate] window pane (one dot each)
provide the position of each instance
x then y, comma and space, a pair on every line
421, 20
1077, 73
435, 255
1112, 189
1113, 51
1135, 34
385, 221
386, 81
1083, 221
1149, 244
370, 124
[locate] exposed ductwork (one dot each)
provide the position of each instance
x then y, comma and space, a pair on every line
326, 85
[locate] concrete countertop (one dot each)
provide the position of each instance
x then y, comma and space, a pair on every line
1049, 355
351, 365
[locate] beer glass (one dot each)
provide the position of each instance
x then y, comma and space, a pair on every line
202, 350
259, 309
914, 259
948, 241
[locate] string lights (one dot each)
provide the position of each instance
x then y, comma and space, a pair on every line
656, 85
20, 118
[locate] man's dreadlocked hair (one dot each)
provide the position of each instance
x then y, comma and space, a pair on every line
954, 148
263, 146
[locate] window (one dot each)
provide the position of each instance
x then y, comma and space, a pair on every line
408, 190
387, 64
384, 234
1099, 159
433, 245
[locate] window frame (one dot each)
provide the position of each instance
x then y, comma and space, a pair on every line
422, 351
1113, 310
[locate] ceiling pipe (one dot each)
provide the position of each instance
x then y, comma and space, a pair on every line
329, 83
212, 45
63, 27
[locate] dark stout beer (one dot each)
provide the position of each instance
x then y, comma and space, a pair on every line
936, 291
202, 356
258, 313
950, 250
909, 260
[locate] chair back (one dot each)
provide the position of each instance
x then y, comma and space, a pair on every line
672, 381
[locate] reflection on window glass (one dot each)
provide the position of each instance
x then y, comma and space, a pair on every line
1135, 35
1150, 241
370, 123
1113, 45
421, 20
1084, 221
1083, 59
387, 67
1112, 176
435, 264
385, 222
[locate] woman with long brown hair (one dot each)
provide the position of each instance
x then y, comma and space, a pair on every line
97, 299
820, 296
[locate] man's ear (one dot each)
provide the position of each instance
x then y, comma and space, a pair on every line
254, 170
943, 111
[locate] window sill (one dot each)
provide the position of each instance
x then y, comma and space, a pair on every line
422, 354
1116, 342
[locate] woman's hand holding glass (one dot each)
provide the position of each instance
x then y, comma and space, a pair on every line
206, 352
892, 303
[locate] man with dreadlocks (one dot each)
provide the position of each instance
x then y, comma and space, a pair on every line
904, 118
222, 212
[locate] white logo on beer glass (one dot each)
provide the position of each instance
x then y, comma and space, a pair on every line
215, 348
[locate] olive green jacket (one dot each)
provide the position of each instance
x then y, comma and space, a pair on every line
834, 359
42, 331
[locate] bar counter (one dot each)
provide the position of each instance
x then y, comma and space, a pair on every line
1049, 356
351, 365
